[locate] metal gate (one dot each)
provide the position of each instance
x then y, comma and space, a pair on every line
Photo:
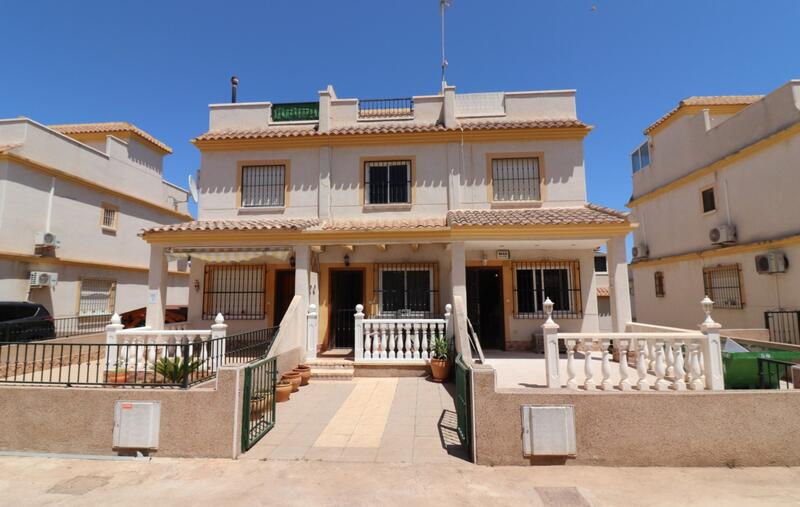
463, 408
783, 325
258, 405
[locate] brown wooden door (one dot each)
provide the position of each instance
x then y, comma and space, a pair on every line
284, 292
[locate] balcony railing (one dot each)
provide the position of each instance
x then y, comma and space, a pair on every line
385, 108
295, 111
399, 339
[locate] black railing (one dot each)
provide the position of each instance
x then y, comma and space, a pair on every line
774, 374
182, 363
386, 108
258, 405
81, 324
295, 111
783, 325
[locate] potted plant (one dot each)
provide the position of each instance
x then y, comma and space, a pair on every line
283, 390
294, 378
440, 359
258, 404
174, 369
305, 373
118, 374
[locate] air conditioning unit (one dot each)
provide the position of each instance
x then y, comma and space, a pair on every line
43, 279
640, 251
46, 239
771, 262
722, 235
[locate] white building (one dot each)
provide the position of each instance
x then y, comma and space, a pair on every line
73, 200
715, 191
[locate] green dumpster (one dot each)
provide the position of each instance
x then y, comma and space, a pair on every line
741, 368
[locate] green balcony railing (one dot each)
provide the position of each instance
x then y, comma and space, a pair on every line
295, 111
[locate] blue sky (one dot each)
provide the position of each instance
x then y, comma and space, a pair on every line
158, 64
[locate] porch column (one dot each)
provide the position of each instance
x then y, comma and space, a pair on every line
302, 266
618, 283
156, 287
458, 270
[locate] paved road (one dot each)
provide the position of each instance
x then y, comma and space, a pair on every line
47, 481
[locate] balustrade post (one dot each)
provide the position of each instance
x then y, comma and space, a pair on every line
641, 365
218, 332
606, 385
311, 332
359, 332
111, 339
624, 383
680, 373
426, 344
712, 349
388, 328
588, 345
572, 383
550, 331
661, 367
392, 341
670, 358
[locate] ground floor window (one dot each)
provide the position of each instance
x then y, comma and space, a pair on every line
658, 279
97, 296
723, 284
406, 290
536, 281
235, 291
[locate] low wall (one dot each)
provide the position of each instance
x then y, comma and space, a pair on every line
198, 422
705, 428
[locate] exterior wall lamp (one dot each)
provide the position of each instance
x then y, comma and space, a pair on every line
292, 261
346, 260
196, 285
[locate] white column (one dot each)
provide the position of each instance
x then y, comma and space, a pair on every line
302, 260
618, 283
111, 339
712, 349
359, 332
219, 330
156, 288
458, 270
449, 106
550, 330
311, 332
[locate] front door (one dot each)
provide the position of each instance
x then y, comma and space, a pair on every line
347, 290
284, 293
485, 305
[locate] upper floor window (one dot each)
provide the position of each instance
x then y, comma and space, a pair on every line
96, 296
709, 203
658, 278
263, 185
516, 179
600, 264
724, 286
640, 158
387, 182
109, 216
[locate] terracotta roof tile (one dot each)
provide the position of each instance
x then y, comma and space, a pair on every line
603, 291
7, 147
385, 224
589, 214
289, 131
711, 100
109, 128
251, 224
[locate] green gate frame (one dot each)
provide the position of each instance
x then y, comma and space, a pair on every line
463, 403
260, 378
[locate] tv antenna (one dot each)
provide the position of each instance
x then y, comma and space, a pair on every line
443, 4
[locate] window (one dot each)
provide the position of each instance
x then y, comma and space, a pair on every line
723, 285
235, 291
263, 185
640, 158
515, 179
658, 278
97, 296
406, 290
534, 282
709, 203
109, 216
600, 264
387, 182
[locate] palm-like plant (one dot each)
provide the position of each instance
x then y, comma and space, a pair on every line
174, 370
441, 348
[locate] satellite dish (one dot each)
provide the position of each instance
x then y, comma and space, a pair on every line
193, 188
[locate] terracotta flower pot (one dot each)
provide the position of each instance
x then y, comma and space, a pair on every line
258, 406
305, 373
283, 390
440, 369
294, 378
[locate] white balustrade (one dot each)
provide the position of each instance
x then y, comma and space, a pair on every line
669, 360
403, 340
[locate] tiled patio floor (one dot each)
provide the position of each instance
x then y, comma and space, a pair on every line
388, 420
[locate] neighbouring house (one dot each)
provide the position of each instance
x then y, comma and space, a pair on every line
715, 190
398, 205
73, 199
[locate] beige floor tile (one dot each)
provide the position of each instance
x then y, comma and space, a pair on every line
289, 452
359, 454
361, 440
324, 453
331, 440
395, 455
397, 441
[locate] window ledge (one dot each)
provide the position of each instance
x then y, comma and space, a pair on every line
258, 210
388, 207
109, 230
516, 204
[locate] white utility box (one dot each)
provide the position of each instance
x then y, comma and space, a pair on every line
548, 430
136, 424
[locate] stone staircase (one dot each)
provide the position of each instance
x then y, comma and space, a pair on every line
333, 368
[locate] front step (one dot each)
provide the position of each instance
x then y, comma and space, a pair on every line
331, 369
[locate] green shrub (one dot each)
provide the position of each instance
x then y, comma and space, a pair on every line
174, 369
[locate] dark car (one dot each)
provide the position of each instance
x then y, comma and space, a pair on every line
25, 322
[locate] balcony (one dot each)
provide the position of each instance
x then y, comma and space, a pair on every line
374, 109
295, 111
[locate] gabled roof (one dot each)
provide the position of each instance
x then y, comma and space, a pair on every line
109, 128
706, 101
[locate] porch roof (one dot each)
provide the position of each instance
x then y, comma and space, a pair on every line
582, 215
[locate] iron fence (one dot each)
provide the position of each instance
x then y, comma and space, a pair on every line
463, 403
386, 108
295, 111
783, 326
80, 324
258, 407
774, 374
182, 363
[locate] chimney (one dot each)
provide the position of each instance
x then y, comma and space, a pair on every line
234, 84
